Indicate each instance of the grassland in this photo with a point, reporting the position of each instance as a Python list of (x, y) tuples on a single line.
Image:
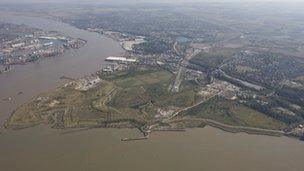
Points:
[(146, 92), (80, 108), (214, 57), (233, 113), (133, 98)]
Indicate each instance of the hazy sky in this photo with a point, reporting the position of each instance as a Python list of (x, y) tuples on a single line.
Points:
[(140, 1)]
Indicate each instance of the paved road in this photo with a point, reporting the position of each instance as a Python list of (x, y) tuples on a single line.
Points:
[(187, 108), (183, 63)]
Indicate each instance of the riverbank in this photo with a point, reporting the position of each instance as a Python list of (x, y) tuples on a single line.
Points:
[(113, 103), (34, 44), (45, 74), (197, 123), (119, 122), (177, 124), (94, 149)]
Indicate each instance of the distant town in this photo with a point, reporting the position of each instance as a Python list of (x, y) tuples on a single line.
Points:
[(20, 44), (174, 85), (182, 67)]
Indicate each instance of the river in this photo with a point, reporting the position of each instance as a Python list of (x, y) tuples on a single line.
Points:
[(34, 78), (42, 148), (208, 149)]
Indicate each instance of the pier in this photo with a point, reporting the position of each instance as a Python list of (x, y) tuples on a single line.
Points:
[(135, 139)]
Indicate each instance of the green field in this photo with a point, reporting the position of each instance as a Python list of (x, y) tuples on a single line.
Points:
[(233, 113), (145, 92), (214, 57), (79, 107), (135, 97)]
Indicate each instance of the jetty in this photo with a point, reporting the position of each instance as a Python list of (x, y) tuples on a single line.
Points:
[(134, 139)]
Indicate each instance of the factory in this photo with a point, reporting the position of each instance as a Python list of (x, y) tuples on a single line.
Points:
[(120, 59)]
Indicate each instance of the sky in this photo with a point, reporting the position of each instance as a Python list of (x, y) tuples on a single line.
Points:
[(141, 1)]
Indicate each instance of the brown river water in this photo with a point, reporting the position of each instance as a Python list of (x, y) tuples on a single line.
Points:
[(44, 149), (34, 78)]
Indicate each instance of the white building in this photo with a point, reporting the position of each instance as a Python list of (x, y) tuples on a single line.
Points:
[(122, 59)]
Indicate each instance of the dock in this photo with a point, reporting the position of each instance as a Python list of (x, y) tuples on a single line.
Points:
[(134, 139)]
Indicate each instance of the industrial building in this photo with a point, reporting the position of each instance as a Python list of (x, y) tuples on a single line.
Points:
[(122, 59)]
